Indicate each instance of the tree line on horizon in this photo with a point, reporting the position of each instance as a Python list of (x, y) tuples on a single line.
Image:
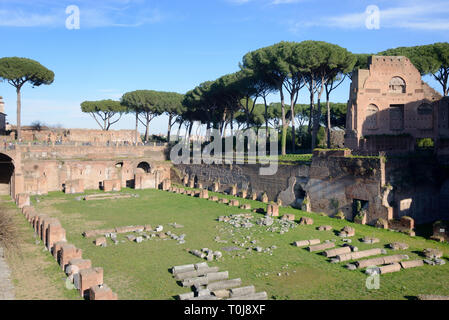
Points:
[(239, 99)]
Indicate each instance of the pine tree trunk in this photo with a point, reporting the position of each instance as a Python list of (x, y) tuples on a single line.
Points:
[(169, 127), (19, 107), (284, 125), (292, 111), (328, 107), (137, 127), (147, 127)]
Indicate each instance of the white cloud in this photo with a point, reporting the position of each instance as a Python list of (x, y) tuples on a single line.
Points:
[(417, 17), (112, 13)]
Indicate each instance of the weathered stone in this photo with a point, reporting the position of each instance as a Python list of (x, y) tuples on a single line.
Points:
[(395, 267), (306, 221), (273, 210), (359, 254), (432, 297), (432, 253), (67, 253), (399, 246), (242, 291), (55, 233), (380, 261), (186, 296), (324, 228), (227, 284), (102, 292), (184, 268), (100, 241), (90, 278), (305, 243), (221, 294), (321, 247), (412, 264), (56, 248), (252, 297), (347, 232), (335, 252), (289, 217), (370, 240)]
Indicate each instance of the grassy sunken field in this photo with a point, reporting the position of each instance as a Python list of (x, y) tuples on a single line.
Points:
[(141, 270)]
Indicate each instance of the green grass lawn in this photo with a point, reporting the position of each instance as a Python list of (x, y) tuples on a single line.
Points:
[(141, 271)]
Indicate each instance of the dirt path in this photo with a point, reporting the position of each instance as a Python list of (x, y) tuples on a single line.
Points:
[(32, 271), (6, 286)]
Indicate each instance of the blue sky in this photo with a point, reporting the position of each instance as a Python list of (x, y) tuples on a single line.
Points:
[(174, 45)]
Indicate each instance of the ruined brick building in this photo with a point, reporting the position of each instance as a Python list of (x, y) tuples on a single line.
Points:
[(390, 107)]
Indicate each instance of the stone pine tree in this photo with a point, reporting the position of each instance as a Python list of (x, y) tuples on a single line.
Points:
[(19, 71), (104, 111), (173, 107), (272, 63), (146, 104)]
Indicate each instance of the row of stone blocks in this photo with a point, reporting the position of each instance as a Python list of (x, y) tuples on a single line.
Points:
[(88, 280), (210, 284)]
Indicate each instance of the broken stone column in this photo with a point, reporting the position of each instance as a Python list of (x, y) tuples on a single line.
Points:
[(411, 264), (321, 247), (67, 253), (359, 254), (222, 285), (305, 243), (242, 291), (252, 297), (196, 273), (244, 193), (184, 268), (335, 252), (395, 267), (89, 278), (380, 261)]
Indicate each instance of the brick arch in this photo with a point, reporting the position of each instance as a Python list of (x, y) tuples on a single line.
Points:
[(397, 85), (7, 169)]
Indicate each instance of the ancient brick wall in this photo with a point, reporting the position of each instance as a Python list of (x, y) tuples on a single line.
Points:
[(47, 168), (390, 99), (247, 177), (79, 135)]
